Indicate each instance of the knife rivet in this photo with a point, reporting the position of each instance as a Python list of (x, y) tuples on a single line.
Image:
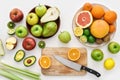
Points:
[(90, 70)]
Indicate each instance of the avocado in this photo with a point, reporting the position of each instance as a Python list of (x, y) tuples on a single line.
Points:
[(29, 61), (20, 54)]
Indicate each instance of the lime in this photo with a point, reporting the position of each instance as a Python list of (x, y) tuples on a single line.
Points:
[(41, 44), (91, 39), (78, 31), (109, 63), (11, 24), (86, 32), (11, 31), (83, 38)]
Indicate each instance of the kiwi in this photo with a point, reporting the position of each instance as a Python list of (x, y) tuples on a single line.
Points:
[(106, 38), (99, 41)]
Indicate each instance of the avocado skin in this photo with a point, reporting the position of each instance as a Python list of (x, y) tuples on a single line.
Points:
[(32, 58)]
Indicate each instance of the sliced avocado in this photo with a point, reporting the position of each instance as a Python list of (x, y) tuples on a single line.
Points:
[(29, 61), (20, 54)]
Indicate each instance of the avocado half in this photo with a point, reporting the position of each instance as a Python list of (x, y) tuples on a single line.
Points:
[(29, 61)]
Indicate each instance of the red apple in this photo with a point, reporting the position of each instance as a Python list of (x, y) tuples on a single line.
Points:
[(16, 15), (28, 43)]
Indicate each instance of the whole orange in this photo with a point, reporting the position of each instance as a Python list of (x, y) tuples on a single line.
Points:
[(99, 28), (97, 11), (87, 6), (112, 28), (110, 16)]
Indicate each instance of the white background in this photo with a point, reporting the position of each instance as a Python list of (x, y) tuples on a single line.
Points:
[(67, 8)]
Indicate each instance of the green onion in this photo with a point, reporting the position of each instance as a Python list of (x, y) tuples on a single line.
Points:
[(27, 73), (9, 75)]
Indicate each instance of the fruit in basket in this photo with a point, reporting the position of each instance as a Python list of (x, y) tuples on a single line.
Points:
[(86, 32), (40, 10), (64, 37), (99, 40), (21, 31), (87, 6), (91, 39), (45, 62), (49, 29), (114, 47), (36, 30), (110, 16), (73, 54), (52, 14), (99, 28), (106, 38), (109, 63), (112, 28), (28, 43), (11, 43), (32, 18), (16, 15), (83, 38), (78, 31), (84, 19), (97, 11), (29, 61), (97, 54)]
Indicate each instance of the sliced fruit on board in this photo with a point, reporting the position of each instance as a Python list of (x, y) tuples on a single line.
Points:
[(84, 19), (29, 61), (20, 54), (73, 54), (78, 31), (45, 62), (51, 15), (11, 43)]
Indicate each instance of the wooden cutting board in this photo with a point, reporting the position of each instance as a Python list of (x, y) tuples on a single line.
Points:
[(58, 69)]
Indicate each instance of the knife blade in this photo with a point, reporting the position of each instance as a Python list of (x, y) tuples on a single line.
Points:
[(75, 66)]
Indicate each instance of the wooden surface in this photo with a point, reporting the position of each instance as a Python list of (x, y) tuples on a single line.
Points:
[(58, 69)]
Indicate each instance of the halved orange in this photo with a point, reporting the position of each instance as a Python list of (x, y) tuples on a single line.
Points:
[(45, 62), (73, 54)]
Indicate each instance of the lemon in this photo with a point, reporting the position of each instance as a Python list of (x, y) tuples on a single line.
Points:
[(78, 31), (109, 63)]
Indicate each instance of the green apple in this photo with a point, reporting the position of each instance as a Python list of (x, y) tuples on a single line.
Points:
[(40, 10), (36, 30), (32, 19), (21, 31), (114, 47), (97, 55), (64, 37)]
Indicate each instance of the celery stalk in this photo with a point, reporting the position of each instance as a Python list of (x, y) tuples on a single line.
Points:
[(21, 71), (2, 52), (9, 75)]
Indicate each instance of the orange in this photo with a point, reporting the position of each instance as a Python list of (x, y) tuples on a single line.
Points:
[(97, 11), (110, 16), (73, 54), (112, 28), (45, 62), (87, 6), (99, 28)]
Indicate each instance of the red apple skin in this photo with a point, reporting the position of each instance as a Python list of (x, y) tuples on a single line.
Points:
[(29, 43), (16, 15)]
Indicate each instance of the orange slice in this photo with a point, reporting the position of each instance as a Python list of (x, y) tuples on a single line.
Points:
[(73, 54), (45, 62)]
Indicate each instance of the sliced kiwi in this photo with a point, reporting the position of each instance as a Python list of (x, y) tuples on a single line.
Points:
[(11, 31), (41, 44), (11, 24)]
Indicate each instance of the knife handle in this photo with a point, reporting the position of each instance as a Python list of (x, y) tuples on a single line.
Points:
[(91, 71)]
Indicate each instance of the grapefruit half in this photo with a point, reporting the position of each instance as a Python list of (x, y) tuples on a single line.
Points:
[(84, 19)]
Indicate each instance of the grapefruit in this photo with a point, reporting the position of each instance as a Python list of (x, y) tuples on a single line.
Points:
[(84, 19), (73, 54), (99, 28)]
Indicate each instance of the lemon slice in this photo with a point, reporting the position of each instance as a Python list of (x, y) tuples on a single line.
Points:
[(78, 31)]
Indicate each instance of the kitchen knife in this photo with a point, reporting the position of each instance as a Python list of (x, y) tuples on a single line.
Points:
[(75, 66)]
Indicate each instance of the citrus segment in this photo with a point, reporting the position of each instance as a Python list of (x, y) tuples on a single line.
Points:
[(84, 19), (97, 11), (110, 16), (73, 54), (45, 62), (99, 28), (78, 31)]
